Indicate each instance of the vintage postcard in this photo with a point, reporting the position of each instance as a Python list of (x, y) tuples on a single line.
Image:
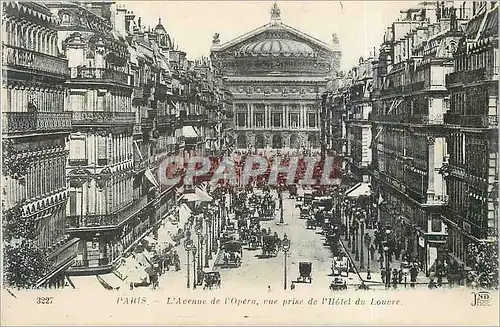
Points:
[(250, 163)]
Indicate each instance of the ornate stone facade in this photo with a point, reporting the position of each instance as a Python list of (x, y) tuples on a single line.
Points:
[(276, 74)]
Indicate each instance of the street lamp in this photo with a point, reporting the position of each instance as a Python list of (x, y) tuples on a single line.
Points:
[(188, 245), (387, 269), (199, 230), (194, 267), (345, 212), (362, 225), (281, 206), (355, 247), (285, 247), (205, 240)]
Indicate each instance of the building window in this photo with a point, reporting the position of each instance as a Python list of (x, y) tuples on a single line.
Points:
[(277, 119), (77, 150), (436, 225), (311, 118), (242, 119), (259, 119), (294, 120), (72, 203)]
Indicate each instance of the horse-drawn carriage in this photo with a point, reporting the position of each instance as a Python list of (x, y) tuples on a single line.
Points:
[(233, 251), (311, 223), (254, 239), (305, 212), (212, 278), (292, 191), (340, 266), (270, 245), (305, 269), (268, 208), (254, 201)]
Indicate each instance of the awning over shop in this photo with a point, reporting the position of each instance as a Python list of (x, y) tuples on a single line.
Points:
[(150, 240), (203, 195), (189, 197), (184, 214), (110, 281), (190, 132), (360, 189), (86, 282), (149, 175), (136, 147)]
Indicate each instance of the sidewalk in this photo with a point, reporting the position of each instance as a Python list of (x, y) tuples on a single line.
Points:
[(374, 265)]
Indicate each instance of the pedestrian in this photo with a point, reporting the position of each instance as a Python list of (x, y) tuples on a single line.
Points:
[(395, 276), (397, 250), (400, 276), (368, 274), (382, 275), (292, 286), (269, 288), (372, 251), (413, 275)]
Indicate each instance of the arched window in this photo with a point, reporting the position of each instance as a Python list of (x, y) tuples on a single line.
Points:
[(24, 37), (31, 38), (259, 142), (242, 141), (37, 41), (7, 31), (65, 18), (294, 142), (277, 141)]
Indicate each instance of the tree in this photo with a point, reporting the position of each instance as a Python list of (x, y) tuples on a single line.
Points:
[(483, 259), (12, 165), (24, 264)]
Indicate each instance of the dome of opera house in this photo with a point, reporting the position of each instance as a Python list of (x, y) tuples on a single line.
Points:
[(276, 48)]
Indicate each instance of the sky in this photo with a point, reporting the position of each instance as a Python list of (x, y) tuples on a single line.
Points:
[(359, 25)]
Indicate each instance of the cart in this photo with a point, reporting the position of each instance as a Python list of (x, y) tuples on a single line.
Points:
[(305, 269), (212, 278), (338, 284)]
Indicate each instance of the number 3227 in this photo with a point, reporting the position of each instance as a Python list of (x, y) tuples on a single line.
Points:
[(44, 300)]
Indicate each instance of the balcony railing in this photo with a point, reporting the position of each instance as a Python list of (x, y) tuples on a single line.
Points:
[(92, 221), (392, 90), (138, 92), (480, 121), (78, 162), (140, 165), (105, 74), (146, 123), (392, 118), (137, 129), (166, 119), (424, 119), (466, 76), (35, 121), (102, 118), (113, 220), (15, 56)]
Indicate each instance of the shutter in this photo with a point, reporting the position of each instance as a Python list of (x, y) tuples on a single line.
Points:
[(72, 203), (101, 153), (77, 149)]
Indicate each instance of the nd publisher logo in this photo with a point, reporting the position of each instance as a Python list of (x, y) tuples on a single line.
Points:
[(481, 299)]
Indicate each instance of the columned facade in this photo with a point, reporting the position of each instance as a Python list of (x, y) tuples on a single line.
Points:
[(277, 75)]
